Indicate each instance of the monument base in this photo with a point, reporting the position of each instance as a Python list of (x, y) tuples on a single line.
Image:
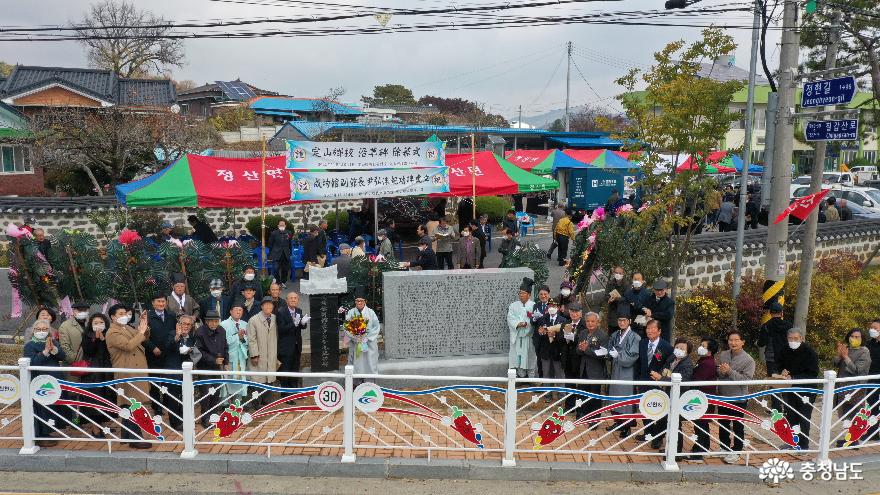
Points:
[(485, 365)]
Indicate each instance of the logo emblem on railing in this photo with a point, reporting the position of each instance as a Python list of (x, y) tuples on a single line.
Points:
[(368, 397), (694, 404), (10, 388), (45, 389), (654, 404), (775, 470)]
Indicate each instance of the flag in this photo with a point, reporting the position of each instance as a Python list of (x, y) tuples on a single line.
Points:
[(801, 207)]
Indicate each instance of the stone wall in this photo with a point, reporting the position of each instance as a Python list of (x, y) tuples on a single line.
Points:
[(53, 219), (714, 255)]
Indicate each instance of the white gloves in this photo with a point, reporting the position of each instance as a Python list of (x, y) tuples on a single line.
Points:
[(184, 349), (613, 353), (305, 319), (296, 320), (536, 315), (601, 351), (569, 336)]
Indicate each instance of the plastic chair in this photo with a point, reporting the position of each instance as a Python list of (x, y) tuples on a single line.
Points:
[(260, 255), (296, 262)]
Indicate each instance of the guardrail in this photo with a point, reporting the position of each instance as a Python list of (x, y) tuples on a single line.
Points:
[(348, 415)]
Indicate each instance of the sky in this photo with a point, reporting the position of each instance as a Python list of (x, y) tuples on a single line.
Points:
[(501, 68)]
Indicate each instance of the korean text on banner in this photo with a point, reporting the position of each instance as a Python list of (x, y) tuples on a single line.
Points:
[(311, 155), (318, 185)]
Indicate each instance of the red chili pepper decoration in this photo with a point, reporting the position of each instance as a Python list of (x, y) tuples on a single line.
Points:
[(231, 420), (462, 424), (553, 428), (859, 426), (780, 426), (139, 415)]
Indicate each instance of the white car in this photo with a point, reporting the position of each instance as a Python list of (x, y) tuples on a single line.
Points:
[(866, 197), (833, 179)]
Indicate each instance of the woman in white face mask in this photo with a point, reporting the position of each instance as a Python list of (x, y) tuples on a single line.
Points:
[(43, 350), (680, 363)]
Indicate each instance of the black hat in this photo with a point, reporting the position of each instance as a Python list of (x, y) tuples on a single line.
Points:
[(267, 299), (526, 285), (211, 315), (248, 285), (660, 284), (575, 306), (552, 302), (360, 292), (81, 305), (775, 307), (623, 311), (238, 303), (178, 278)]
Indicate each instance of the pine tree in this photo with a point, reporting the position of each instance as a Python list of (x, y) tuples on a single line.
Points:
[(79, 270), (134, 270), (30, 272), (367, 271), (195, 261), (529, 256)]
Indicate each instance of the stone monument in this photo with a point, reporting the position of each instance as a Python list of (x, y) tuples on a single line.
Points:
[(323, 288), (451, 322)]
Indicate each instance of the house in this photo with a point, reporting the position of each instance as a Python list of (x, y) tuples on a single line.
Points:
[(204, 100), (18, 176), (29, 88), (399, 113), (282, 109)]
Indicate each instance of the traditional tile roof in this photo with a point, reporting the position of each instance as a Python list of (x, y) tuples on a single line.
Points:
[(27, 205), (724, 242), (100, 84)]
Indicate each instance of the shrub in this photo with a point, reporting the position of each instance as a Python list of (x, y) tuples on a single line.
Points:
[(331, 220), (494, 206), (145, 222), (253, 225)]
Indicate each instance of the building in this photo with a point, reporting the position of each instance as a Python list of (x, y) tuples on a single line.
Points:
[(281, 109), (203, 101), (29, 88), (18, 176), (399, 113)]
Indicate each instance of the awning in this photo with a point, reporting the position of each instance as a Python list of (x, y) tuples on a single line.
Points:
[(585, 142), (718, 162), (494, 176), (542, 162), (210, 182)]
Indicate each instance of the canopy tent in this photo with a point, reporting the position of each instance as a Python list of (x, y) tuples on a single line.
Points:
[(542, 162), (718, 162), (494, 176), (753, 169), (610, 159), (211, 182)]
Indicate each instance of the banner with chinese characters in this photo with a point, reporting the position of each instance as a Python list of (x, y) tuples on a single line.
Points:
[(319, 185), (311, 155)]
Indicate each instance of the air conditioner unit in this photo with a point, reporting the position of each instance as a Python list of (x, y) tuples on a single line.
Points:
[(760, 140)]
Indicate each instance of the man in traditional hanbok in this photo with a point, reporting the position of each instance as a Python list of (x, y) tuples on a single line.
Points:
[(623, 350), (236, 339), (519, 323), (365, 360)]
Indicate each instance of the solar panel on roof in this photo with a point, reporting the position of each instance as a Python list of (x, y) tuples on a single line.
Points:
[(236, 90)]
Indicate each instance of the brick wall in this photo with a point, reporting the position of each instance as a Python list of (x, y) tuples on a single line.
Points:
[(23, 184)]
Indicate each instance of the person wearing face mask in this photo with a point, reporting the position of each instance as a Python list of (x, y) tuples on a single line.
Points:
[(425, 260), (614, 290), (661, 307), (468, 250), (386, 249), (636, 296), (874, 349), (248, 277), (43, 350), (566, 297), (279, 252), (126, 347), (654, 352), (94, 345), (706, 370), (508, 244), (478, 234), (551, 340), (70, 335), (852, 359), (215, 301), (45, 314), (541, 307), (680, 363), (798, 361)]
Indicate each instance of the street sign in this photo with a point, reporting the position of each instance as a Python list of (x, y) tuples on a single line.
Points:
[(827, 92), (832, 130)]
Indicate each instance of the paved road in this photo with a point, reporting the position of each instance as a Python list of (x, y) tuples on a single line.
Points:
[(201, 484)]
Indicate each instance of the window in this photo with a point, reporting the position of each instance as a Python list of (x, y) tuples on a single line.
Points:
[(871, 156), (15, 159), (758, 156), (760, 119), (741, 122), (848, 156)]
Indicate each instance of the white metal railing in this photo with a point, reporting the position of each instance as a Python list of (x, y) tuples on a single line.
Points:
[(507, 419)]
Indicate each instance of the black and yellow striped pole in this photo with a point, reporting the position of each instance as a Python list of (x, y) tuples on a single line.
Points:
[(774, 291)]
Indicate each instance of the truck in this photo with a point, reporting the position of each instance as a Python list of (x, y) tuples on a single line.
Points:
[(864, 173)]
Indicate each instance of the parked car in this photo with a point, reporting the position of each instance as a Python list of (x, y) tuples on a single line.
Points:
[(842, 179), (866, 197), (864, 173)]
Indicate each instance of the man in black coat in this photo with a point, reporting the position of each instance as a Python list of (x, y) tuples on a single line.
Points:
[(550, 342), (592, 366), (211, 342), (180, 347), (215, 301), (201, 230), (291, 322), (654, 350), (162, 323), (572, 363), (249, 302), (661, 308), (426, 259), (798, 361), (773, 337), (481, 236), (279, 252)]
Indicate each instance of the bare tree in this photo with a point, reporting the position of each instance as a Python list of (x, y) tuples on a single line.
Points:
[(131, 42), (113, 145)]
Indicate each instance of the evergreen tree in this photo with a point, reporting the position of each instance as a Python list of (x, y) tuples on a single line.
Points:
[(194, 260), (79, 270), (133, 269), (29, 271)]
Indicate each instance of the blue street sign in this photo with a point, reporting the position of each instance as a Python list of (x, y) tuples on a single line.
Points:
[(832, 130), (828, 92)]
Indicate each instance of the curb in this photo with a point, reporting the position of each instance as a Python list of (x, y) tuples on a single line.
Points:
[(376, 468)]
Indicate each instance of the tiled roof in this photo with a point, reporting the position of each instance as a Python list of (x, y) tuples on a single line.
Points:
[(406, 108), (722, 242), (27, 206), (205, 88), (100, 84)]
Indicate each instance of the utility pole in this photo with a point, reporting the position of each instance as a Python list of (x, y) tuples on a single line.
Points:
[(769, 147), (747, 153), (808, 251), (568, 90), (777, 234)]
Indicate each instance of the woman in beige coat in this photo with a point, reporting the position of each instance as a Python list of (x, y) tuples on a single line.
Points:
[(126, 347), (262, 333)]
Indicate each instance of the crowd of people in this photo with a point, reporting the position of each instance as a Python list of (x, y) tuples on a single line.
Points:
[(556, 338)]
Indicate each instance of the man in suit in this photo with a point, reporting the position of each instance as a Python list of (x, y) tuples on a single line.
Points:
[(661, 308), (551, 341), (537, 319), (215, 301), (179, 302), (279, 252), (653, 353), (163, 325), (343, 261), (591, 338), (291, 322), (426, 259), (249, 302)]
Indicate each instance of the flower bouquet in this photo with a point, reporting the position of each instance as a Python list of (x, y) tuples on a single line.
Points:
[(356, 331)]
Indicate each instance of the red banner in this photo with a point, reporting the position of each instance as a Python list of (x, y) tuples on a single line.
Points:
[(801, 207)]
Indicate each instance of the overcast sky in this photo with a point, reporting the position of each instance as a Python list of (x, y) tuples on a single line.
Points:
[(502, 68)]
